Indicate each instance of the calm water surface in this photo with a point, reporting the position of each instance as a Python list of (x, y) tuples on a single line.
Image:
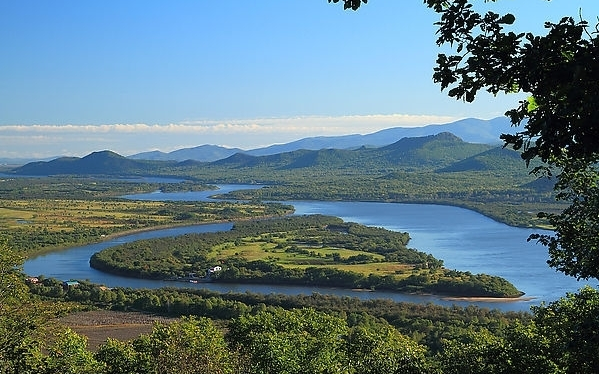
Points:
[(463, 239)]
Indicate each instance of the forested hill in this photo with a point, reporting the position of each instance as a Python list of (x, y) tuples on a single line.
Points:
[(96, 163), (431, 152), (494, 159)]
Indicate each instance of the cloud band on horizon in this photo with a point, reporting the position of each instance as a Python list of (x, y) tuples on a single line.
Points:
[(47, 140)]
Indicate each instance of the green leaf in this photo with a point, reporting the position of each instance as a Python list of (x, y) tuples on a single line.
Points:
[(508, 19), (532, 104)]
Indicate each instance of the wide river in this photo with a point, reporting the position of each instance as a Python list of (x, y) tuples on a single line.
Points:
[(463, 239)]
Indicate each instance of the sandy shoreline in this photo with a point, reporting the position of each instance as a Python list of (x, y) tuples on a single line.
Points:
[(489, 299)]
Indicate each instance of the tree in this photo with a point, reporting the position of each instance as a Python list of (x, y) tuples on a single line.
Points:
[(21, 319), (480, 352), (574, 249), (559, 74), (187, 346), (522, 350), (381, 349), (295, 341), (571, 326), (120, 357), (13, 289), (69, 355), (351, 4)]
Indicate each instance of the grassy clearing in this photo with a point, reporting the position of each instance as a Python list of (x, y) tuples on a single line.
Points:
[(40, 225), (57, 215), (309, 256)]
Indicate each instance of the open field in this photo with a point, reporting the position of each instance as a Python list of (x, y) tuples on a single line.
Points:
[(59, 215), (305, 256), (36, 225), (100, 325)]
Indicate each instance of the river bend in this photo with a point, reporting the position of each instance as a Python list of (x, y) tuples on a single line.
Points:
[(463, 239)]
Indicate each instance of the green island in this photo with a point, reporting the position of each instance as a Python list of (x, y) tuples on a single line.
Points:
[(301, 250)]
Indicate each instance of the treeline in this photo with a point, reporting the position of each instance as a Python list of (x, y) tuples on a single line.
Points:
[(36, 239), (438, 281), (249, 333), (71, 187), (428, 324)]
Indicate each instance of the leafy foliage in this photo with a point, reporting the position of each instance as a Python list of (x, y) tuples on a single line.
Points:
[(351, 4), (296, 341), (571, 327), (574, 249), (190, 345), (69, 355), (23, 320)]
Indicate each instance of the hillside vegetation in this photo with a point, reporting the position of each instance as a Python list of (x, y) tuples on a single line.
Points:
[(439, 169)]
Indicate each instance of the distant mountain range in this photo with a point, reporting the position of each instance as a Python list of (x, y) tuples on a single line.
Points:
[(442, 152), (204, 153), (470, 130), (427, 151)]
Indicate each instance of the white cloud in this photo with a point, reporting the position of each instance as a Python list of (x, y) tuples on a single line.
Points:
[(340, 124), (50, 140)]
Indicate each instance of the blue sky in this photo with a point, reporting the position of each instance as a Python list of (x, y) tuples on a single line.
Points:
[(132, 76)]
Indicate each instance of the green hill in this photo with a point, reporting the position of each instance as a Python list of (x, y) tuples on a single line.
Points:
[(498, 158), (432, 151), (96, 163), (428, 151)]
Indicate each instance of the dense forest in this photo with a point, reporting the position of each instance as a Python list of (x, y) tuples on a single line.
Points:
[(254, 333)]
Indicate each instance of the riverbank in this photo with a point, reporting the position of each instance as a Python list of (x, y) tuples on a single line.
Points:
[(490, 299), (139, 230), (104, 238)]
